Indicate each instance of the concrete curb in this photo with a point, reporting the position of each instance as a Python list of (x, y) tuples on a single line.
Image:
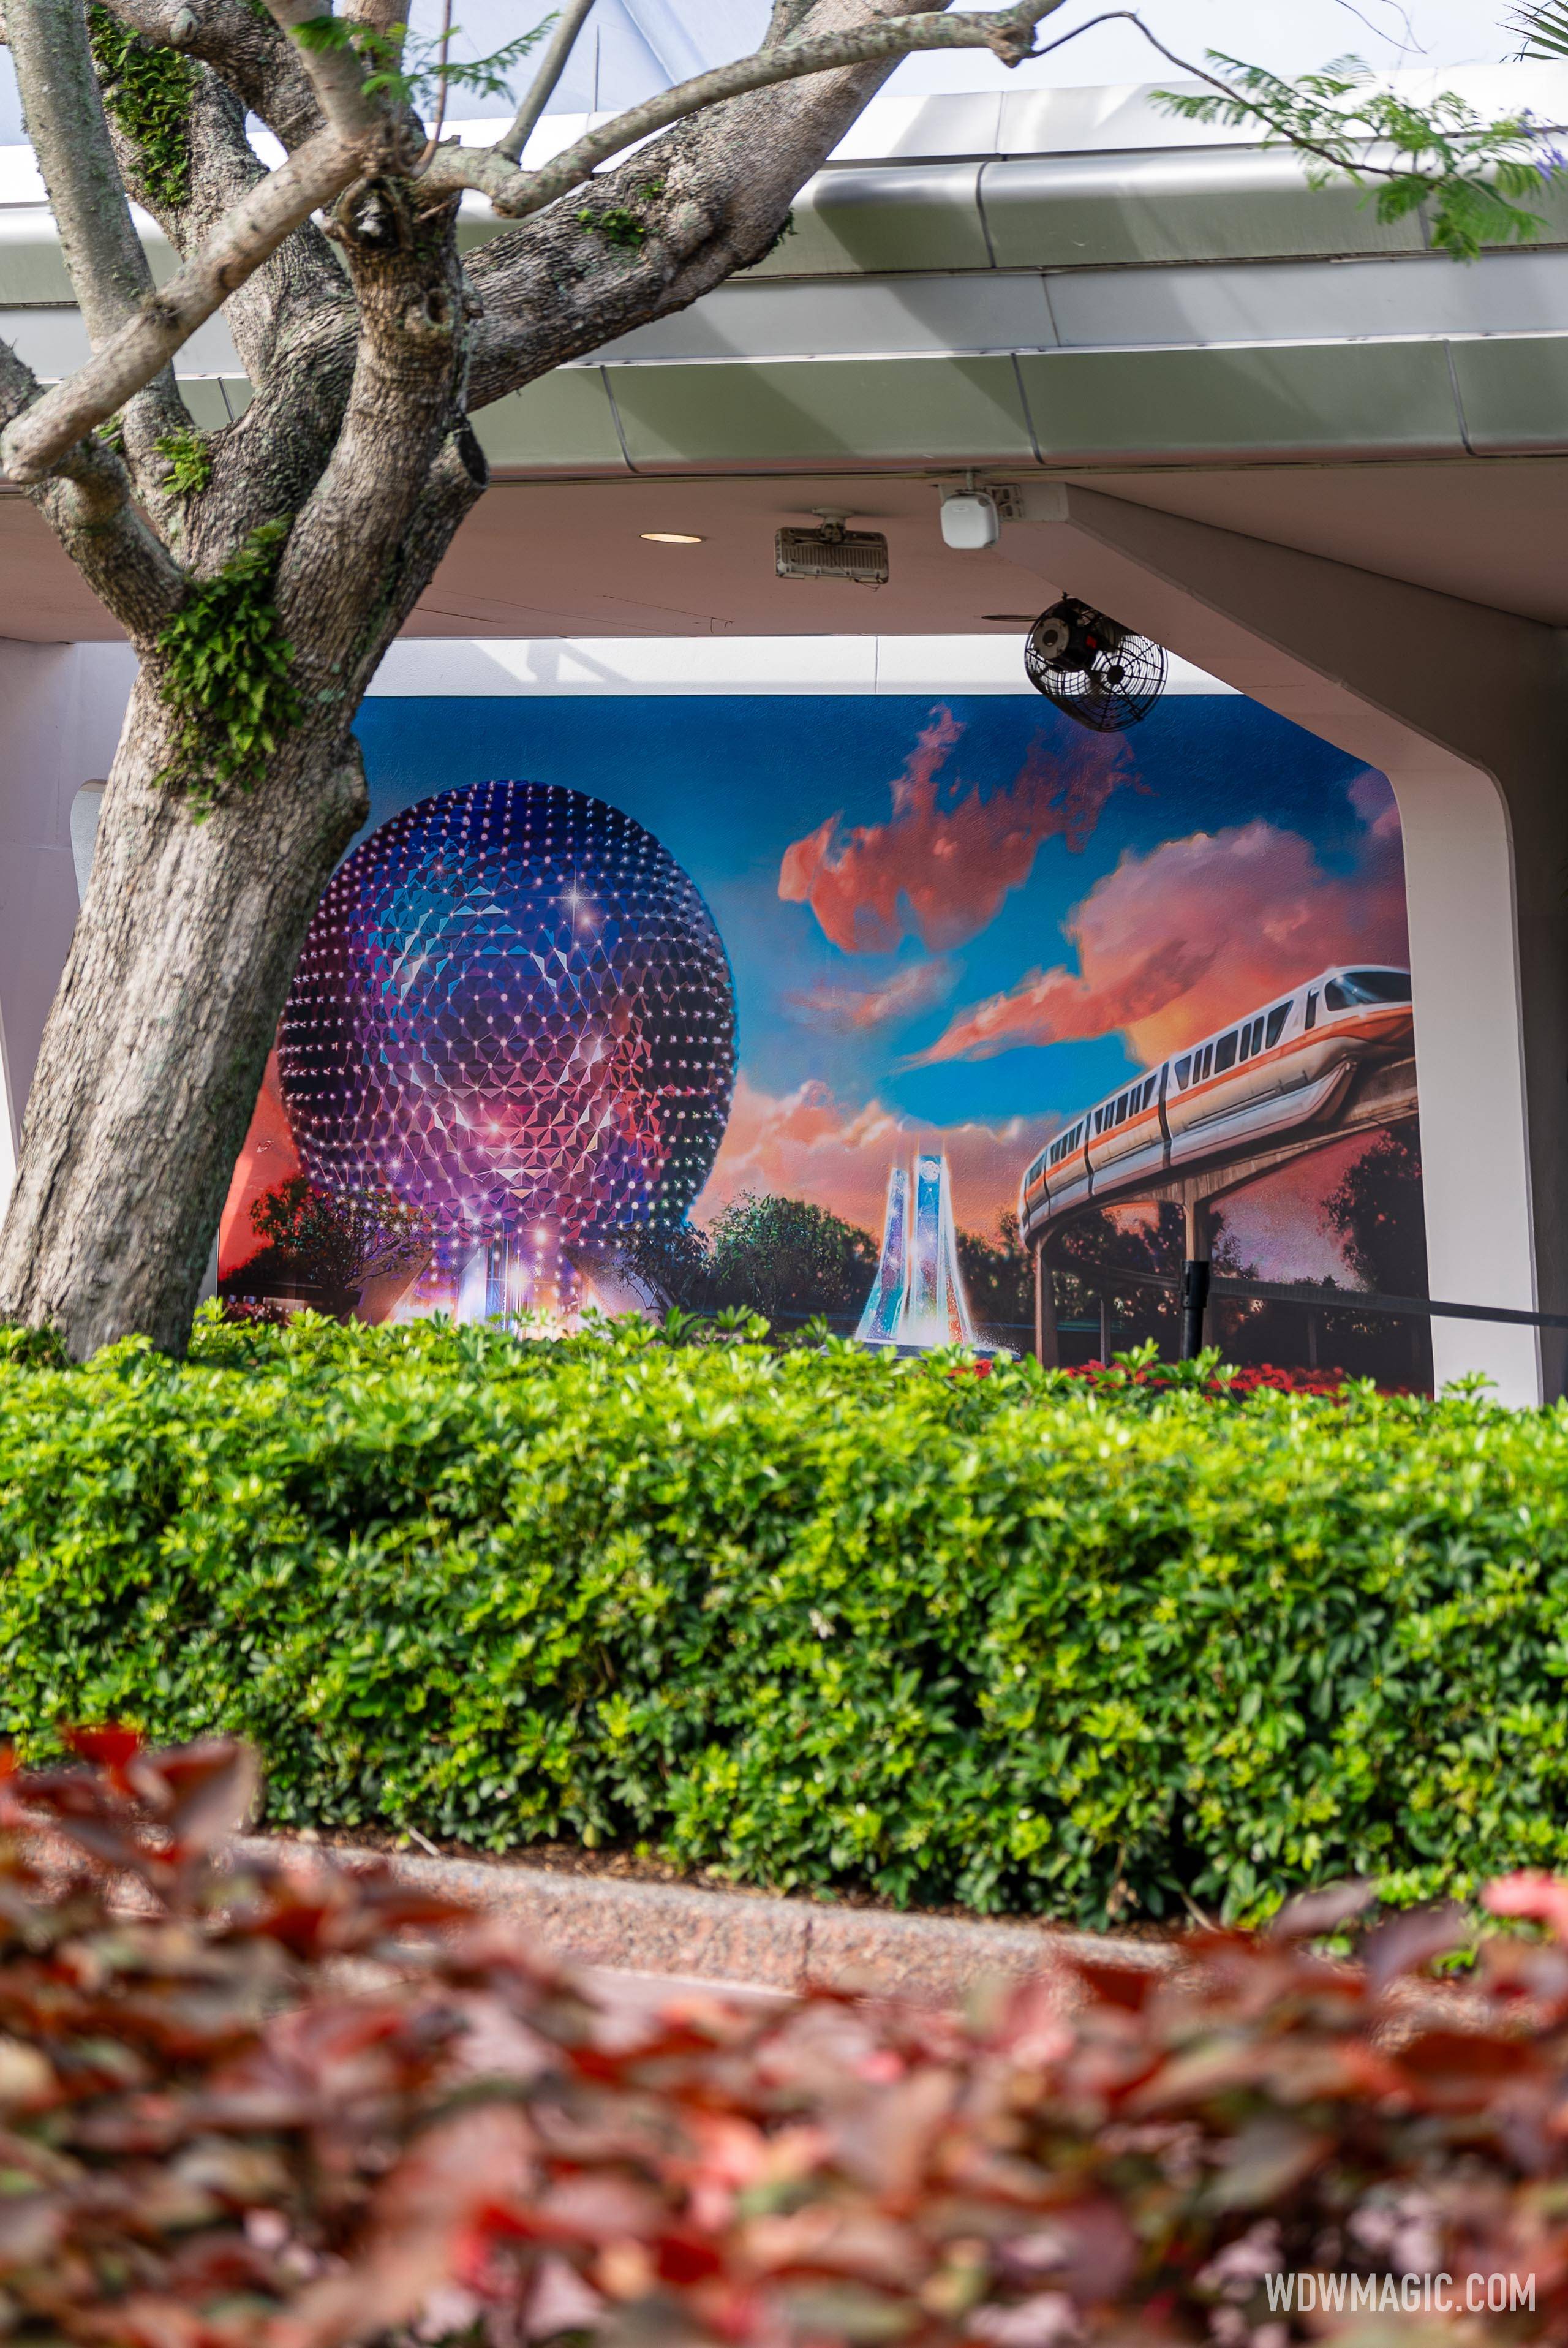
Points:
[(731, 1939)]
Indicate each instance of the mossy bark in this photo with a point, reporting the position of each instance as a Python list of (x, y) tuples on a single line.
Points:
[(159, 1036)]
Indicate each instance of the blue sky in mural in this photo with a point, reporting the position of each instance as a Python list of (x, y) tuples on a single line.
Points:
[(965, 914)]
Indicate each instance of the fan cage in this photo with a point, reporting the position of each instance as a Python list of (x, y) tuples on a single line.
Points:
[(1117, 688)]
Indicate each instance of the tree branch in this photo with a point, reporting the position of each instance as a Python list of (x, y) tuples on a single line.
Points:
[(333, 73), (315, 174), (725, 179), (409, 374), (516, 194), (574, 14), (260, 63), (299, 278), (89, 506), (64, 111)]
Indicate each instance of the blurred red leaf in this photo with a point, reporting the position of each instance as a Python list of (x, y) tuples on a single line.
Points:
[(1315, 1913), (1542, 1898), (305, 2110), (1407, 1943)]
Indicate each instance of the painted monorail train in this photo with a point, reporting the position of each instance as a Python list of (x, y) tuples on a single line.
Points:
[(1288, 1064)]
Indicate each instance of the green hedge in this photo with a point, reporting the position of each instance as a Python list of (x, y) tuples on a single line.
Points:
[(814, 1618)]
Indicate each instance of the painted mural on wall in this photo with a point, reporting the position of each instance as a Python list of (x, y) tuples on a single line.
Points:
[(780, 1002)]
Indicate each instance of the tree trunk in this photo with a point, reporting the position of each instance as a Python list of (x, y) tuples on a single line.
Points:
[(157, 1043)]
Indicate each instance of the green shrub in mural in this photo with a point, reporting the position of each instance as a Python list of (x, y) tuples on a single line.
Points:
[(806, 1615)]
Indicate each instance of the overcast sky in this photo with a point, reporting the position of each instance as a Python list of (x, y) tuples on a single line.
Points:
[(633, 43), (633, 46)]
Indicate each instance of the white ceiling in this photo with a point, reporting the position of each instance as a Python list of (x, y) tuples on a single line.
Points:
[(569, 559)]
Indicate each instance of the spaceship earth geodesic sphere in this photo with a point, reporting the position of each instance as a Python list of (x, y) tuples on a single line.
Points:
[(514, 1011)]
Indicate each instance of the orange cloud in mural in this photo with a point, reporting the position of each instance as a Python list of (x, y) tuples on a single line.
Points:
[(849, 1009), (1060, 1006), (1173, 943), (808, 1143), (942, 865)]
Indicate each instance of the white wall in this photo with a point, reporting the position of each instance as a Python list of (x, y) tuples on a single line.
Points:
[(626, 666), (62, 706)]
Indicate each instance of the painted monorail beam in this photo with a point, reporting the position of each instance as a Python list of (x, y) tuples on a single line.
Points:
[(1061, 280), (1378, 1097), (1331, 1056)]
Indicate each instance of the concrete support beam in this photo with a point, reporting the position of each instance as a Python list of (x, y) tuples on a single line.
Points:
[(1465, 709), (64, 704)]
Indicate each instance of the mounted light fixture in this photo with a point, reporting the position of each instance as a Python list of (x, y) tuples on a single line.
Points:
[(671, 538), (859, 557)]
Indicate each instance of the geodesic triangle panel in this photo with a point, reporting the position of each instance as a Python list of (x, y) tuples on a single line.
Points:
[(512, 1009)]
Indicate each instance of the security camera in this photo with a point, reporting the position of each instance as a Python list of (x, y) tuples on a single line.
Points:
[(970, 521)]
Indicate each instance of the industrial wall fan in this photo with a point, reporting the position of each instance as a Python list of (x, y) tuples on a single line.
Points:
[(1098, 671)]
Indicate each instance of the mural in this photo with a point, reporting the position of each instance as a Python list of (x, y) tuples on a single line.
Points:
[(694, 1010)]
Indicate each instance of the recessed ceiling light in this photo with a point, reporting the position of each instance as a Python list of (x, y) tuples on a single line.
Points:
[(673, 537), (1012, 619)]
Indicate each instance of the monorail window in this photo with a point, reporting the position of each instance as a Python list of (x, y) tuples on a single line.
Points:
[(1149, 1089), (1310, 1022), (1359, 986), (1121, 1108), (1225, 1052), (1207, 1062), (1277, 1018), (1181, 1071)]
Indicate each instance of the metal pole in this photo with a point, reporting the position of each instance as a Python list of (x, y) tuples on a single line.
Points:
[(1194, 1304), (1048, 1346), (1195, 1273)]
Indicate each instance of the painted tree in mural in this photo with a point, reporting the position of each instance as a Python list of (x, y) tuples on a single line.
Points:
[(261, 572)]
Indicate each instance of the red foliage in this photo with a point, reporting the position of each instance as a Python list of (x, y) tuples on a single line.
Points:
[(1235, 1383), (1238, 1381), (270, 2109)]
